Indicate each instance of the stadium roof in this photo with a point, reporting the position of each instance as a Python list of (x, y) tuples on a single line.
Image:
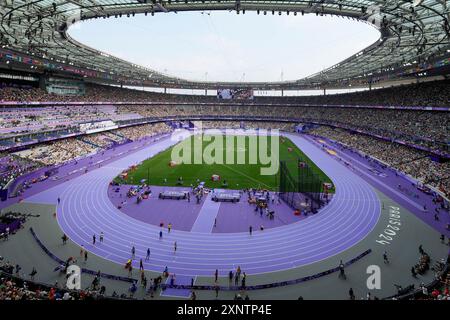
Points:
[(412, 33)]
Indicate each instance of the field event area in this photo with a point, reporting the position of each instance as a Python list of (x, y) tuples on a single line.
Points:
[(236, 163)]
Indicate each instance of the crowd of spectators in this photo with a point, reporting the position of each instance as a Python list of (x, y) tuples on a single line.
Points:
[(62, 151), (19, 120), (66, 150), (12, 166), (57, 152), (16, 288), (441, 291), (417, 127), (282, 126), (435, 93), (100, 140), (409, 160), (436, 290), (249, 125), (138, 132), (421, 127), (113, 137), (425, 128)]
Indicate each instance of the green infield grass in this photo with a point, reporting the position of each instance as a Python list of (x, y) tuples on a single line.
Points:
[(158, 171)]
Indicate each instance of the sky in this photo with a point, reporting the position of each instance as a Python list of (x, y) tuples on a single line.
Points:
[(225, 46)]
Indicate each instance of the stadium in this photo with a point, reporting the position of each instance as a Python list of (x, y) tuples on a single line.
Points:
[(121, 182)]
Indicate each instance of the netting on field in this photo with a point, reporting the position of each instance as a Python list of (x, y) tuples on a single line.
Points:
[(300, 187)]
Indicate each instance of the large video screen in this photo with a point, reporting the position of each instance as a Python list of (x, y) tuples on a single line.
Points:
[(235, 94)]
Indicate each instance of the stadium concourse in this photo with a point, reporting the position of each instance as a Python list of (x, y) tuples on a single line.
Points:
[(384, 211)]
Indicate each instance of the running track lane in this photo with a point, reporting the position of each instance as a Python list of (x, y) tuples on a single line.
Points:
[(85, 210)]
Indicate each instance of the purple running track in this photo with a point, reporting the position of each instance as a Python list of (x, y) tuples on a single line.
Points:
[(86, 209)]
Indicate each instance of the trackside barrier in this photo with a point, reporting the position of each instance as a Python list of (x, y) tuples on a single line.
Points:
[(83, 270), (204, 287), (268, 285)]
